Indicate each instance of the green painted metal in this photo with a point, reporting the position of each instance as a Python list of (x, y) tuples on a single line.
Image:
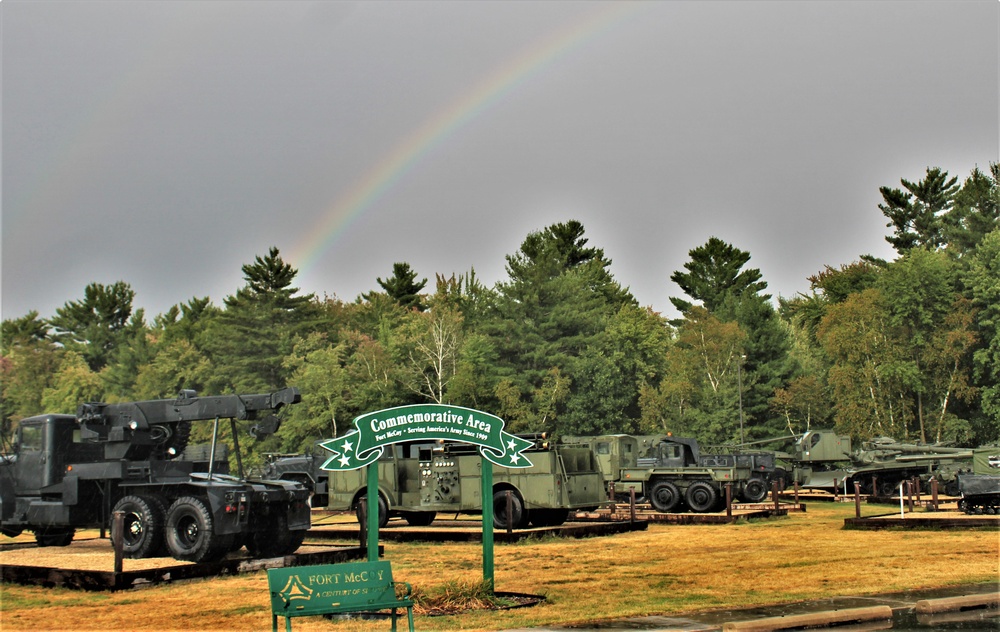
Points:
[(425, 422), (372, 511), (487, 494), (303, 591)]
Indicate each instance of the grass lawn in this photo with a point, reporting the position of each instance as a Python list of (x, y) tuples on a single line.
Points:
[(669, 569)]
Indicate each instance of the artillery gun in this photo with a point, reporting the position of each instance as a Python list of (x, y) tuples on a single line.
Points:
[(69, 472), (880, 465)]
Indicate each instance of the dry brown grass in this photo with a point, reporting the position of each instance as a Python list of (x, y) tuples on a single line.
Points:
[(667, 569)]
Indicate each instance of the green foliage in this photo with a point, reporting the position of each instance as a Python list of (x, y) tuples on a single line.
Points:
[(916, 215), (402, 286), (97, 325), (903, 348), (318, 369), (715, 272), (976, 211), (74, 383), (984, 283), (250, 339), (556, 306)]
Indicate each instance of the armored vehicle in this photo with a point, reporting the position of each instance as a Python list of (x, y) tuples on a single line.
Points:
[(880, 465), (69, 472), (673, 475), (417, 480)]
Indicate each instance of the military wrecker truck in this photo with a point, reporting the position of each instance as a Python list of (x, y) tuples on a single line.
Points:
[(70, 472), (671, 472), (418, 479)]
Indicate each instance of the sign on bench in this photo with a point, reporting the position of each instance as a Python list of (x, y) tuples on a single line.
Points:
[(335, 589)]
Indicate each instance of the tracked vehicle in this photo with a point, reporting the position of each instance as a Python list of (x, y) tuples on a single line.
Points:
[(70, 472), (880, 465)]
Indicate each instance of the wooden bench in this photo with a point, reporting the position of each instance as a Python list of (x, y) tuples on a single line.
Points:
[(303, 591)]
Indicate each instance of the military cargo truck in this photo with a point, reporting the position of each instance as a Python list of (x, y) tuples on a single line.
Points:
[(672, 474), (418, 480), (69, 472)]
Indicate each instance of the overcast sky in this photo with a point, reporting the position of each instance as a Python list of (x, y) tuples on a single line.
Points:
[(167, 144)]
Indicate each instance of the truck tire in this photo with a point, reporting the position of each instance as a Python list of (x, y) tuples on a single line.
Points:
[(54, 536), (518, 517), (383, 511), (142, 526), (754, 491), (665, 497), (419, 518), (190, 532), (275, 540), (547, 517), (701, 497)]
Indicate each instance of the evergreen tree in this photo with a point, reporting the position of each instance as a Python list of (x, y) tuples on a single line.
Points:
[(403, 287), (556, 304), (97, 325), (251, 338), (976, 211), (984, 281), (916, 214), (714, 272)]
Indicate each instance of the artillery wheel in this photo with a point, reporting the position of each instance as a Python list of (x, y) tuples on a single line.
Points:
[(701, 497), (54, 536), (665, 496), (142, 526), (755, 490), (190, 532), (518, 516), (419, 518), (383, 511)]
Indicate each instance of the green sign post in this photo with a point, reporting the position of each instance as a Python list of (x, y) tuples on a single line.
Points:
[(362, 448)]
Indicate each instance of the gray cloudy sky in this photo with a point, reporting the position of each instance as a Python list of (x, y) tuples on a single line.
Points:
[(166, 144)]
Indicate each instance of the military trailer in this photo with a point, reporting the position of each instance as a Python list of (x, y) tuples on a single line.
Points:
[(672, 474), (417, 480), (980, 488), (69, 472)]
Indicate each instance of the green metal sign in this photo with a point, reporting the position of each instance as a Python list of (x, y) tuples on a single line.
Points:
[(425, 422)]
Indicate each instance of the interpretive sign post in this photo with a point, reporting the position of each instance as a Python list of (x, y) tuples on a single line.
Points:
[(363, 446)]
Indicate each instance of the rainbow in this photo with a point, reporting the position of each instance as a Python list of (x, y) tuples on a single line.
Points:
[(401, 159)]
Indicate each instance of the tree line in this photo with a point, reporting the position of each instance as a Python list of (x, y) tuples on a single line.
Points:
[(908, 348)]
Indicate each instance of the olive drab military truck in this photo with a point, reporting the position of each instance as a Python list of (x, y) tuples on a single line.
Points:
[(418, 480), (672, 473), (69, 472)]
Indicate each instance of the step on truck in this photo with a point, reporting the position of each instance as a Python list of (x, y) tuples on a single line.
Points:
[(69, 472), (417, 480)]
